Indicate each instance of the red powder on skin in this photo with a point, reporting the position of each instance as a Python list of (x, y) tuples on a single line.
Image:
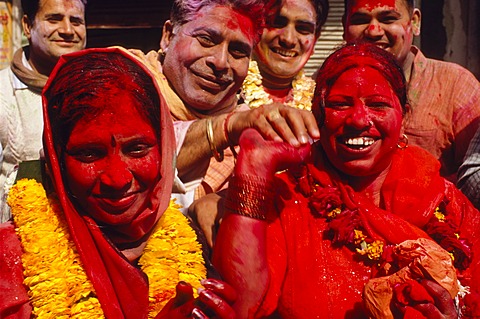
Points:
[(242, 22), (370, 5)]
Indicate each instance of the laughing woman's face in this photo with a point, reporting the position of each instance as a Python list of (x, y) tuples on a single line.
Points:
[(363, 122)]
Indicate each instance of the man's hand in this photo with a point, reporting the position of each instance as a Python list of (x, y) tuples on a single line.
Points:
[(277, 122), (207, 213)]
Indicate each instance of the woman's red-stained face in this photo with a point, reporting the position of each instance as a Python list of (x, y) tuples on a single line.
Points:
[(363, 122), (113, 161)]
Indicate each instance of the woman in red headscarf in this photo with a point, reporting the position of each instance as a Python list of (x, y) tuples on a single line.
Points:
[(362, 226), (108, 243)]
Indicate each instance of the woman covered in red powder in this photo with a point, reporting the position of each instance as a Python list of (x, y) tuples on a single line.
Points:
[(108, 243), (357, 226)]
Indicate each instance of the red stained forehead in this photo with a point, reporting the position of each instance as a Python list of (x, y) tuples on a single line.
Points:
[(370, 4), (243, 23)]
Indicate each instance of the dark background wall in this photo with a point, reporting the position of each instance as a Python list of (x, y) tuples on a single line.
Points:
[(132, 24), (434, 39)]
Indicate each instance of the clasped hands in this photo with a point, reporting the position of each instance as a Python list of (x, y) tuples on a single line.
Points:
[(276, 122)]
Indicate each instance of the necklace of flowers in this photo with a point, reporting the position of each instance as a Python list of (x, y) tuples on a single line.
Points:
[(57, 283), (253, 92), (347, 227)]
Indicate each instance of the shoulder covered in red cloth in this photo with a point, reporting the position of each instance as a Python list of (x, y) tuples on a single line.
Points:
[(14, 302)]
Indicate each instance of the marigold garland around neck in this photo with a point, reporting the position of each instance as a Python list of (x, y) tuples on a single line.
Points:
[(254, 94), (58, 285)]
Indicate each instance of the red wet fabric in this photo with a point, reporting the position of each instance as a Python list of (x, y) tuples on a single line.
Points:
[(313, 278)]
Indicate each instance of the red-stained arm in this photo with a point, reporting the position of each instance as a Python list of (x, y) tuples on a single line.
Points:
[(240, 248), (240, 257)]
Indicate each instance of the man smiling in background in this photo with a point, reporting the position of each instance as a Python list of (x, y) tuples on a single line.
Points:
[(444, 97), (53, 28)]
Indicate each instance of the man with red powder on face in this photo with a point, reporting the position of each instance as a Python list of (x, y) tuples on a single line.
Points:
[(203, 60), (444, 97)]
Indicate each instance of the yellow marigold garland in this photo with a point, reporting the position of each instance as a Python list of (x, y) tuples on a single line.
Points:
[(58, 285), (254, 94)]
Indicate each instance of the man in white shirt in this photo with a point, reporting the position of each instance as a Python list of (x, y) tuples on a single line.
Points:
[(53, 28)]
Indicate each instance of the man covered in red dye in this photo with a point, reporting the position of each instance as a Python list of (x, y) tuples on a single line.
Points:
[(444, 97), (275, 74), (205, 52)]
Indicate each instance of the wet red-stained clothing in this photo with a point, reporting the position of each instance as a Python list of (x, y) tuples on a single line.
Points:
[(320, 282), (309, 278)]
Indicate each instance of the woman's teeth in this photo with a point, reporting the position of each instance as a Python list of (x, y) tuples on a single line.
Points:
[(359, 141)]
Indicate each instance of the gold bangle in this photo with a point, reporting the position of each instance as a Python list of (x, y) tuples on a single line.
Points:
[(251, 196), (218, 155)]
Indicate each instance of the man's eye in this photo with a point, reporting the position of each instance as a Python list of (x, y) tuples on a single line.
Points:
[(389, 19), (205, 40), (239, 53), (359, 20), (305, 29), (76, 22), (279, 22)]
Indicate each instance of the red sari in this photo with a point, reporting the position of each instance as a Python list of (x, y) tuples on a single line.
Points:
[(312, 278), (121, 288)]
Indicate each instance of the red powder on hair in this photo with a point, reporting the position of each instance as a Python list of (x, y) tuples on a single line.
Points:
[(242, 22)]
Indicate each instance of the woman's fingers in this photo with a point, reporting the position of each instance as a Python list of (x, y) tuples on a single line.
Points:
[(198, 314), (221, 289), (211, 302), (184, 294)]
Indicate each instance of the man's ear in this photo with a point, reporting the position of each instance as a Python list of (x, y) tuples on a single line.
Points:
[(416, 21), (27, 26), (167, 35)]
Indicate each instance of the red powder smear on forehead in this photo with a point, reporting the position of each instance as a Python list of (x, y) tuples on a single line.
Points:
[(242, 22), (371, 4)]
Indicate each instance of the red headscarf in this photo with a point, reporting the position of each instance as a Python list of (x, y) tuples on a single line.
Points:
[(122, 289)]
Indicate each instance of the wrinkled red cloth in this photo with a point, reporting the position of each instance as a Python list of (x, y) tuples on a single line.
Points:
[(312, 278), (409, 292), (417, 259), (121, 288), (14, 301)]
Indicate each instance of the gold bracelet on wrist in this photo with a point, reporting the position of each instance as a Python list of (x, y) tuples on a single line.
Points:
[(218, 155), (249, 195)]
